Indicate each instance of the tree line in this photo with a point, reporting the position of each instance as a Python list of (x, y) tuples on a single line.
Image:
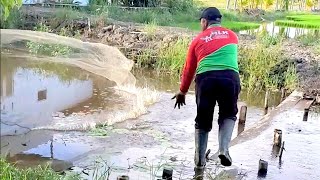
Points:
[(301, 5)]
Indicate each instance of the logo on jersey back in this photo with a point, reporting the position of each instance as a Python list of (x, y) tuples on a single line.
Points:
[(216, 34)]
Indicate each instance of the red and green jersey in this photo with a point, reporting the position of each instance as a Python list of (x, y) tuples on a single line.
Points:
[(214, 49)]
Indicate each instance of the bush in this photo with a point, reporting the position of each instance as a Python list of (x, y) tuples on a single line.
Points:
[(13, 21)]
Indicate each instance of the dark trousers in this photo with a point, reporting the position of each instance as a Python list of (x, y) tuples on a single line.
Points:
[(216, 86)]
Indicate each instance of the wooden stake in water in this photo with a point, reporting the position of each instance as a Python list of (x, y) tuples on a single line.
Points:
[(243, 115), (167, 174), (263, 168), (266, 100), (281, 151), (283, 94), (277, 137), (240, 128), (306, 114), (123, 177)]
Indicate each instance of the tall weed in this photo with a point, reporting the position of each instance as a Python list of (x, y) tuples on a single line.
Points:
[(310, 39), (291, 78), (172, 57), (256, 64)]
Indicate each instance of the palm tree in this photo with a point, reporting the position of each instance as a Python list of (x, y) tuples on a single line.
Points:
[(228, 3)]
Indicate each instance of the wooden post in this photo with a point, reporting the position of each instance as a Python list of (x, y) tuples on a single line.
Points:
[(263, 168), (275, 151), (240, 128), (266, 100), (89, 25), (281, 151), (305, 115), (243, 115), (283, 94), (207, 154), (277, 137), (318, 95), (167, 174), (123, 177)]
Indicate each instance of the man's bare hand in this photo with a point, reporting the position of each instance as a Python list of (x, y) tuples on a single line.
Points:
[(180, 99)]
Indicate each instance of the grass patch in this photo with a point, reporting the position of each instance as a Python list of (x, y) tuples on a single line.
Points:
[(173, 17), (235, 26), (298, 24), (310, 39), (172, 57), (304, 17), (255, 67), (8, 171), (301, 21), (291, 78), (151, 29)]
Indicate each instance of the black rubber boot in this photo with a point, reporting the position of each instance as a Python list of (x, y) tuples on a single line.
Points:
[(225, 134), (201, 140)]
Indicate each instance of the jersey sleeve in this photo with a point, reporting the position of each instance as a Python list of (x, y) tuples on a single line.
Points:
[(189, 68)]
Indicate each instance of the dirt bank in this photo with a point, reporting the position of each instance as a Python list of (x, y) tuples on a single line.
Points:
[(135, 40)]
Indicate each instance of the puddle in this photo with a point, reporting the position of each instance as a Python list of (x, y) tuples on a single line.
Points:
[(35, 95)]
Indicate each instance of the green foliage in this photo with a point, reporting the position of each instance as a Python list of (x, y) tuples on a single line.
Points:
[(180, 5), (8, 171), (13, 21), (48, 49), (291, 78), (299, 24), (266, 40), (7, 5), (310, 39), (145, 59), (256, 64), (303, 17), (301, 21), (172, 57), (235, 26), (99, 132), (151, 29)]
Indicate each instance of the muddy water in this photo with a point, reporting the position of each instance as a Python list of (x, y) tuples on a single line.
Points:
[(35, 95), (163, 136), (300, 159)]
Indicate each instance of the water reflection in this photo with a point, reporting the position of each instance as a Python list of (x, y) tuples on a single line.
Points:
[(32, 93), (273, 30)]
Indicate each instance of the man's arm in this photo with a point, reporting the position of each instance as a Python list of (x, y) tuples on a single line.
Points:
[(189, 68)]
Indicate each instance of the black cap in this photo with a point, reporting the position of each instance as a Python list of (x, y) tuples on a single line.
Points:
[(211, 14)]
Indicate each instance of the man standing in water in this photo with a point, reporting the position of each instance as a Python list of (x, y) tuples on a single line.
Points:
[(212, 57)]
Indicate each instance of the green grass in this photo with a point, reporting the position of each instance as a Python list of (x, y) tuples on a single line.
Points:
[(172, 57), (304, 17), (310, 39), (301, 21), (235, 26), (8, 172), (299, 24)]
